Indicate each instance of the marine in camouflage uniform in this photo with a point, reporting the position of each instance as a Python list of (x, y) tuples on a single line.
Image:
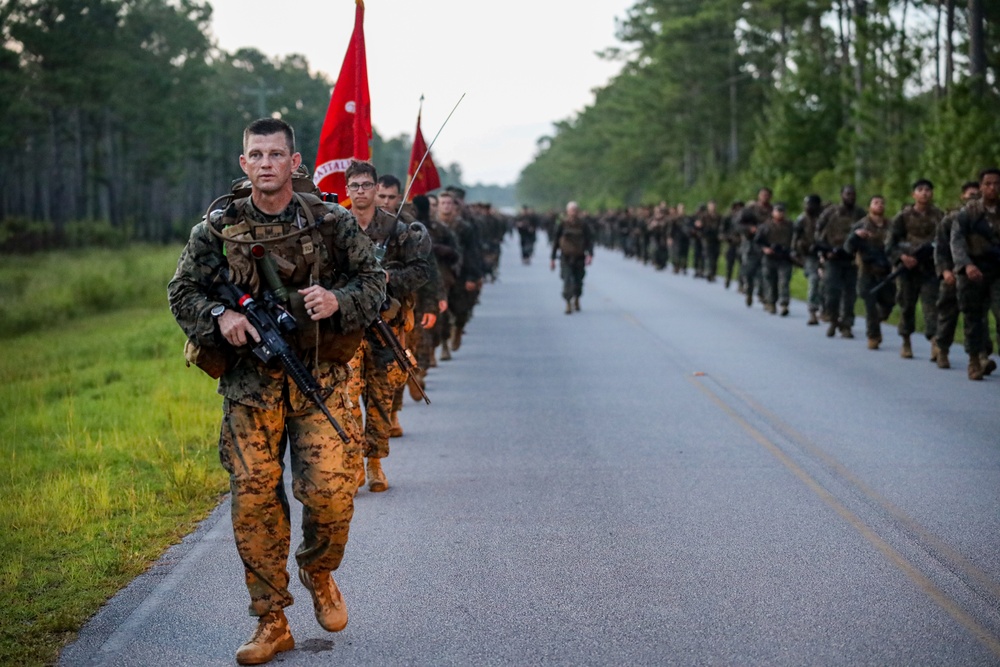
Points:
[(840, 273), (335, 288), (465, 292), (710, 223), (431, 302), (804, 249), (402, 249), (753, 218), (574, 244), (913, 228), (944, 265), (731, 233), (774, 238), (975, 247), (866, 243), (527, 229), (680, 240), (447, 256)]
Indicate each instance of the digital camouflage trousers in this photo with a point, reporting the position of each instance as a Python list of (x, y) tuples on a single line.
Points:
[(374, 380), (251, 447)]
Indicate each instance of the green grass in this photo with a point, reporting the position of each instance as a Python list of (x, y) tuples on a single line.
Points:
[(107, 441), (46, 290)]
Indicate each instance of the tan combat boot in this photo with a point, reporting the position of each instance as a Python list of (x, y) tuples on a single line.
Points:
[(576, 303), (445, 352), (359, 478), (569, 307), (873, 343), (456, 339), (271, 637), (376, 478), (942, 358), (395, 430), (988, 364), (935, 350), (813, 320), (413, 385), (906, 352), (975, 367), (845, 332), (328, 603)]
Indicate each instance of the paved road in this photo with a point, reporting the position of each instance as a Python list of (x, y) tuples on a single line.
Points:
[(666, 478)]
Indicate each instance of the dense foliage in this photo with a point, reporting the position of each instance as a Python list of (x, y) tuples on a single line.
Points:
[(718, 97), (121, 119)]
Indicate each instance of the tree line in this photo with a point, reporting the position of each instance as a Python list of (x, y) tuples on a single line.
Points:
[(122, 120), (719, 97)]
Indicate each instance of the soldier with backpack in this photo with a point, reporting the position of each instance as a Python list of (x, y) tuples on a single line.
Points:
[(307, 261), (573, 243)]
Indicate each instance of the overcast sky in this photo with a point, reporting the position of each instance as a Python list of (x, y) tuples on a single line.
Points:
[(523, 64)]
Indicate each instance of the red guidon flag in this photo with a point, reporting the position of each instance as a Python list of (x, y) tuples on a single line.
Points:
[(347, 129), (421, 178)]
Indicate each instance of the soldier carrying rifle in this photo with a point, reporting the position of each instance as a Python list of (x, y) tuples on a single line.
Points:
[(334, 289)]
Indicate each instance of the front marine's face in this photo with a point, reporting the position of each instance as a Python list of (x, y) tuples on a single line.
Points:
[(268, 162)]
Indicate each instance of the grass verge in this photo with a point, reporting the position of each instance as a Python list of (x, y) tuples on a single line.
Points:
[(107, 453)]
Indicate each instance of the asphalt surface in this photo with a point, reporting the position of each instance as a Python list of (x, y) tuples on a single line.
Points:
[(665, 478)]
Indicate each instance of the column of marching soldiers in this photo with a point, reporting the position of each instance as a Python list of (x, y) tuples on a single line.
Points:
[(948, 262), (464, 253)]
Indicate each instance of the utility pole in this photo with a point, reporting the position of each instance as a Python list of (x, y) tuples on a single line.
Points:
[(261, 92)]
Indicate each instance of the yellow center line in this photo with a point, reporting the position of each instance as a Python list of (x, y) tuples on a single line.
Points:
[(923, 582)]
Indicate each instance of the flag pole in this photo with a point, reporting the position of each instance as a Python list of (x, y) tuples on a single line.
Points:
[(429, 146)]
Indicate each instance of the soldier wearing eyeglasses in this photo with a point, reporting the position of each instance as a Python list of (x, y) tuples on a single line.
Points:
[(402, 250)]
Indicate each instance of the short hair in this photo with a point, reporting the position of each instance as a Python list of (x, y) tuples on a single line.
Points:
[(991, 171), (813, 200), (450, 195), (970, 184), (422, 204), (922, 181), (848, 187), (263, 127), (765, 189), (390, 181), (780, 206), (360, 167), (874, 197)]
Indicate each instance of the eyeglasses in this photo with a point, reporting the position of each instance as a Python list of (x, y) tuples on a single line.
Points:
[(367, 185)]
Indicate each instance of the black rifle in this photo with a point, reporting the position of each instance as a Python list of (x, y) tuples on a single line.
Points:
[(402, 358), (271, 321), (923, 254), (782, 253), (826, 251)]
